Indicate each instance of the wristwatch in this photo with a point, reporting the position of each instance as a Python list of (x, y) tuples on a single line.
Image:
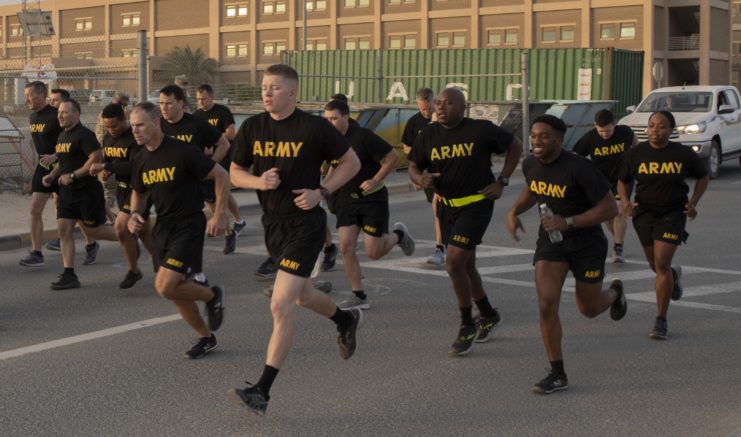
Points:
[(324, 192), (570, 222), (72, 176), (504, 180)]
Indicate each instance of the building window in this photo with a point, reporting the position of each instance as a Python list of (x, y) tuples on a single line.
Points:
[(132, 19), (83, 24), (268, 8), (548, 34), (494, 38), (357, 43), (236, 10), (316, 44), (450, 39), (15, 30), (408, 41), (270, 48), (443, 39), (607, 31), (398, 2), (84, 55), (357, 3), (511, 36), (627, 30), (128, 53), (236, 50), (736, 48), (280, 7), (567, 33), (316, 5)]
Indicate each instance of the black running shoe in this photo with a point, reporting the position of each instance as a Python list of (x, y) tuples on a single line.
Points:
[(620, 306), (33, 259), (204, 346), (251, 398), (66, 281), (130, 279), (464, 341), (487, 325), (239, 227), (230, 243), (215, 308), (330, 258), (678, 289), (267, 269), (91, 253), (660, 329), (54, 245), (552, 382), (347, 339)]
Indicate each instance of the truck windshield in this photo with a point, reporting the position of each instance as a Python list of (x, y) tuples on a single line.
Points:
[(677, 102)]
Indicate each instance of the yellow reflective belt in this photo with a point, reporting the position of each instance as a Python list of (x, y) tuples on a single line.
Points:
[(123, 185), (378, 187), (462, 201)]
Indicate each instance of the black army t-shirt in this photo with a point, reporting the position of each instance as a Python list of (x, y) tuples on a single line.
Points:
[(73, 147), (370, 149), (45, 129), (296, 145), (118, 153), (660, 173), (462, 155), (606, 154), (569, 185), (219, 116), (172, 175), (193, 130), (414, 126)]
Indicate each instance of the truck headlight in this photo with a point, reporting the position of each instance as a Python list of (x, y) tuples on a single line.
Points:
[(692, 129)]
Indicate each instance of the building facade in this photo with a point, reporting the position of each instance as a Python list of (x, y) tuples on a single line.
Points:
[(685, 41)]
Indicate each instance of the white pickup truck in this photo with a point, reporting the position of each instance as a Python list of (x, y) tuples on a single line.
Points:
[(708, 120)]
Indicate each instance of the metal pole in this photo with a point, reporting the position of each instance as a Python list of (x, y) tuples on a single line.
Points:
[(306, 12), (379, 73), (525, 103), (142, 70)]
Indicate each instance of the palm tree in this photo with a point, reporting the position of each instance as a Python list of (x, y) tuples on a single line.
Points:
[(194, 64)]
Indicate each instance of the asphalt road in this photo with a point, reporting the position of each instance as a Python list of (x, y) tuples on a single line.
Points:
[(99, 361)]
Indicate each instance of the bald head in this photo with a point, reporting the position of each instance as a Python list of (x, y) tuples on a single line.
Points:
[(450, 107)]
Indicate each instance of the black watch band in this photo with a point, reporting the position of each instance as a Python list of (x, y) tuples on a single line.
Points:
[(504, 180), (325, 192)]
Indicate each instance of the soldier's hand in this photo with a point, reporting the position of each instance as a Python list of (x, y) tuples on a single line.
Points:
[(269, 180), (217, 225), (307, 199), (493, 191), (513, 224), (429, 178)]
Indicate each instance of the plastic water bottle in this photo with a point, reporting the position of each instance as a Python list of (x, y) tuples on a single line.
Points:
[(554, 235)]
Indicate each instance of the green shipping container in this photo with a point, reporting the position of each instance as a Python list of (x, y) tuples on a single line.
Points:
[(485, 75)]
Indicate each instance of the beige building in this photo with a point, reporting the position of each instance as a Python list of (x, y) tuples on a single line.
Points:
[(736, 44), (685, 41)]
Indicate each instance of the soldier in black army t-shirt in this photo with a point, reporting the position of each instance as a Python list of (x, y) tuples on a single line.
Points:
[(80, 195), (119, 148), (280, 153), (580, 199), (606, 145), (170, 173), (661, 207), (453, 156), (363, 203)]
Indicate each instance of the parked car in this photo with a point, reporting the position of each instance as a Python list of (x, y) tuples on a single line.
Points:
[(708, 120), (101, 96)]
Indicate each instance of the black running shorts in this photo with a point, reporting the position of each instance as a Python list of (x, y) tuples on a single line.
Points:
[(371, 217), (178, 243), (585, 254), (666, 226), (295, 241), (123, 200), (464, 226), (37, 186), (85, 204), (208, 191)]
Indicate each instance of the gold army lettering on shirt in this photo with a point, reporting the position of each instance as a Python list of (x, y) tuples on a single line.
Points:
[(116, 152), (37, 128), (155, 176), (63, 147), (278, 149), (213, 121), (543, 188), (454, 151), (186, 138), (660, 168), (609, 150)]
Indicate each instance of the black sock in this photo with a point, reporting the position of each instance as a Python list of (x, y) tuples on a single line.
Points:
[(69, 271), (485, 307), (90, 245), (330, 248), (466, 316), (360, 294), (618, 246), (440, 246), (342, 319), (37, 252), (267, 379), (399, 234), (557, 367)]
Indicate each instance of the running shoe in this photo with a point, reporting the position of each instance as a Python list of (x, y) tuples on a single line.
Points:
[(407, 242), (617, 255), (552, 382), (33, 259), (347, 338), (130, 279), (464, 341), (239, 227), (487, 325), (267, 269), (230, 243), (437, 258), (354, 302), (215, 308), (54, 245), (202, 347), (251, 398), (91, 253), (330, 258), (678, 290), (620, 306), (660, 329), (65, 281)]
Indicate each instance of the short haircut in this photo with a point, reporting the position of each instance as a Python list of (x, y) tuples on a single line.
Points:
[(113, 110), (604, 117), (205, 88), (148, 108), (339, 96), (175, 91), (337, 105), (283, 70), (37, 86), (62, 92), (74, 103), (551, 120), (669, 116), (425, 94)]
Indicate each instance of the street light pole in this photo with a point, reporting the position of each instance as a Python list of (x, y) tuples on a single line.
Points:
[(306, 12)]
